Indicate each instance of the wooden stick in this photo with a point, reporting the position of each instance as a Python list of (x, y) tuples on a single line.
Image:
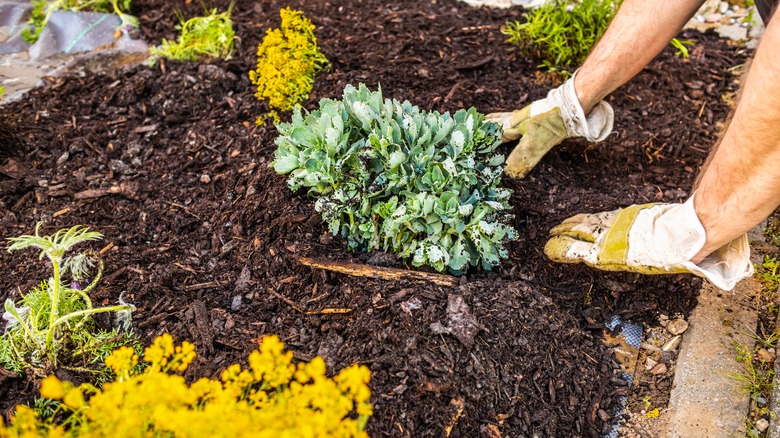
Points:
[(358, 270), (206, 285)]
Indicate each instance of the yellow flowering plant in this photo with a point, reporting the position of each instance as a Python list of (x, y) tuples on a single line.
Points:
[(288, 59), (273, 397)]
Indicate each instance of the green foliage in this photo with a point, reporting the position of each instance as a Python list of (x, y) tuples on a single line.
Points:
[(42, 10), (209, 36), (750, 18), (769, 273), (755, 377), (682, 51), (772, 230), (288, 59), (387, 175), (561, 33), (55, 318)]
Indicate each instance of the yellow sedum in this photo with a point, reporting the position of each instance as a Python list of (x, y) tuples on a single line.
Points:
[(652, 414), (287, 61), (272, 398)]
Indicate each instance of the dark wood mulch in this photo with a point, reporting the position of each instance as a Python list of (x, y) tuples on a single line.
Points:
[(207, 259)]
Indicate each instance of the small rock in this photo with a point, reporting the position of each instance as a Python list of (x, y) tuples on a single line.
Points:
[(761, 424), (760, 401), (236, 304), (205, 178), (713, 18), (734, 32), (672, 344), (650, 363), (667, 357), (658, 370), (764, 355), (677, 327)]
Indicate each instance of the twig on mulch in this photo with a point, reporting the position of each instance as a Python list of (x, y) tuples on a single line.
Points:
[(326, 311), (126, 189), (206, 285), (395, 274)]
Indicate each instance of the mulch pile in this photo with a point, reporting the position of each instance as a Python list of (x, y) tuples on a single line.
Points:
[(167, 162)]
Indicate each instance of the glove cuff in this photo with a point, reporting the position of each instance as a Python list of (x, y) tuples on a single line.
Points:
[(727, 265), (595, 127), (679, 236)]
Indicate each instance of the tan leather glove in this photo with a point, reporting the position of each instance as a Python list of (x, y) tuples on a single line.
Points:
[(648, 239), (547, 122)]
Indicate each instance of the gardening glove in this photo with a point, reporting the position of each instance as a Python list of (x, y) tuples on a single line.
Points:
[(547, 122), (648, 239)]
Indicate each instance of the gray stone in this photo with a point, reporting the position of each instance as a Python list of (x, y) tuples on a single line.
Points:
[(236, 304), (732, 31), (704, 401)]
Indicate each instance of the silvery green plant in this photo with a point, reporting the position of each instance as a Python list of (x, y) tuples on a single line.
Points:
[(389, 176), (56, 316)]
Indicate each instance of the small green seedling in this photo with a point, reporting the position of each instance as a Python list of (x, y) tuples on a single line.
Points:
[(682, 51), (42, 10), (55, 318), (208, 37)]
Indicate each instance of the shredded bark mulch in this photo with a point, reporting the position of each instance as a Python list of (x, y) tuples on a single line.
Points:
[(167, 162)]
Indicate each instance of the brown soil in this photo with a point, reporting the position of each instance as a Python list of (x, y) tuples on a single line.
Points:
[(212, 259)]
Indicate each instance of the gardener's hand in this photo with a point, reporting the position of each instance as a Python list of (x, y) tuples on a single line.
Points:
[(648, 239), (547, 122)]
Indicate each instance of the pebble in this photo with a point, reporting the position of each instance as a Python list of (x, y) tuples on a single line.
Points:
[(761, 424), (650, 363), (764, 355), (658, 370), (677, 327), (205, 178), (236, 304), (672, 344), (713, 18)]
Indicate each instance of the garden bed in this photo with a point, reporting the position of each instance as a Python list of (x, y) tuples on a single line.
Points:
[(205, 239)]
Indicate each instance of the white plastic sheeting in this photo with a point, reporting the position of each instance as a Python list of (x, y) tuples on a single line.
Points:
[(66, 37)]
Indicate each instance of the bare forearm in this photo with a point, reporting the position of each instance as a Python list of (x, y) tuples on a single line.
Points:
[(740, 184), (639, 31)]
